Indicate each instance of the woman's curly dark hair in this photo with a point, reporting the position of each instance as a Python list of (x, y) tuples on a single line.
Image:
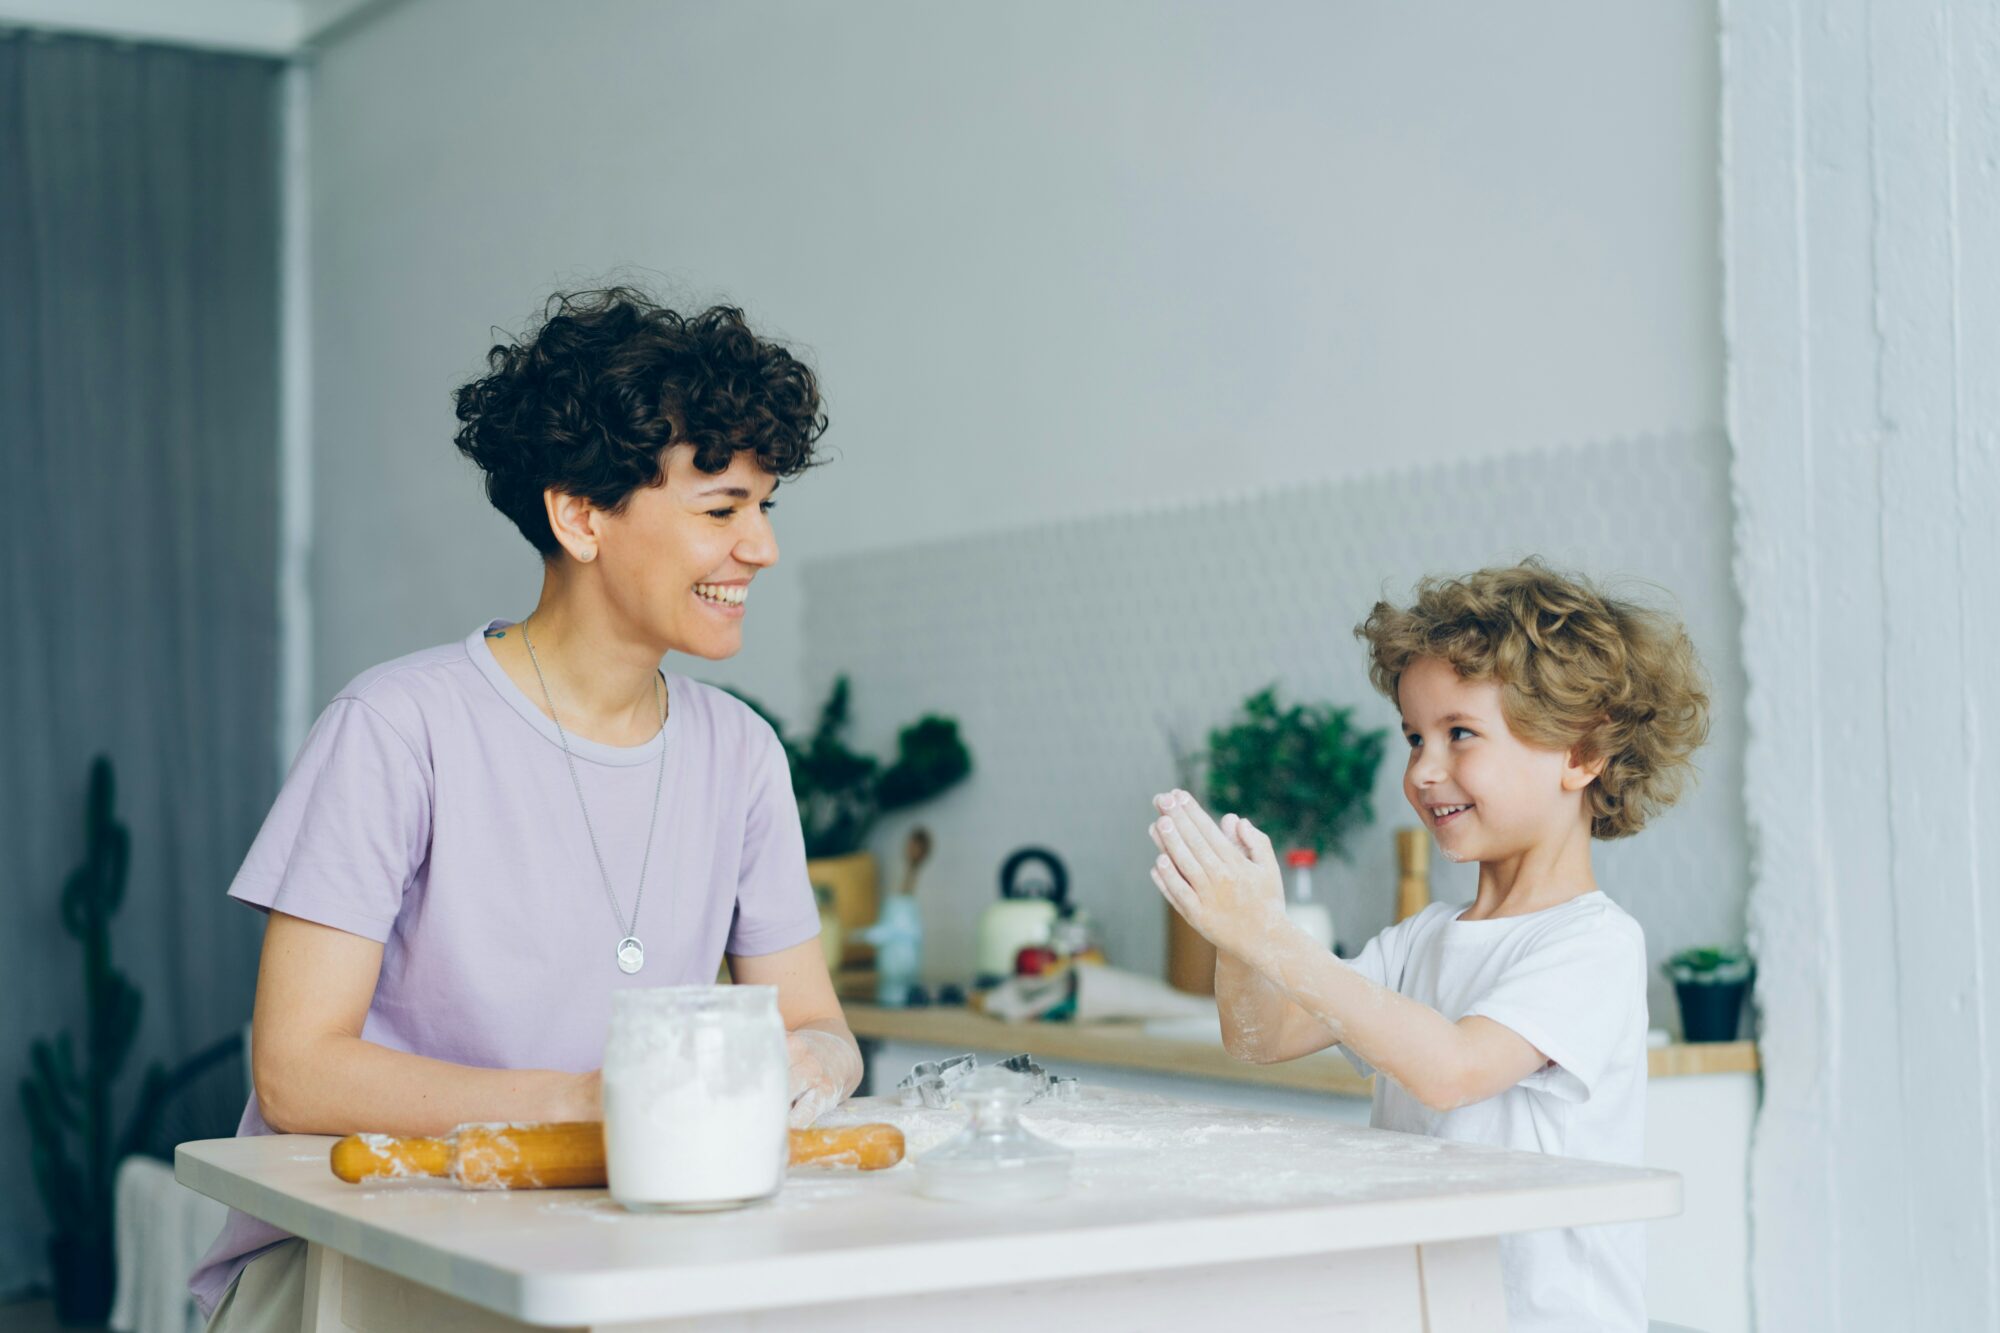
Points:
[(589, 402)]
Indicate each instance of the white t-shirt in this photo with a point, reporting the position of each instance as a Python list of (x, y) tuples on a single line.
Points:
[(1571, 981)]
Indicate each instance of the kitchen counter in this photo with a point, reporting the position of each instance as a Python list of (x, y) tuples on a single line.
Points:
[(1125, 1045), (1178, 1214)]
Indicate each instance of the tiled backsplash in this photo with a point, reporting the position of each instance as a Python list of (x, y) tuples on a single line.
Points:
[(1067, 651)]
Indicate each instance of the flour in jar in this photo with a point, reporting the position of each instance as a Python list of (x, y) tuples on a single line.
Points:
[(695, 1097)]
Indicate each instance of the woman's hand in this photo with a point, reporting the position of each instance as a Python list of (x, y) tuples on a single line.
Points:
[(825, 1060), (824, 1070), (1223, 879)]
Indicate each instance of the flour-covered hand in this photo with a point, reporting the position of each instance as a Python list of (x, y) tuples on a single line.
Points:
[(824, 1069), (1225, 884)]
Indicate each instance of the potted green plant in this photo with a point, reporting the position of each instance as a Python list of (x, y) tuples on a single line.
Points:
[(843, 794), (1710, 983), (1304, 774), (75, 1146)]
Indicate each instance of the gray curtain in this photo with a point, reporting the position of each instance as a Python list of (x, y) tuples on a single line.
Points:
[(139, 316)]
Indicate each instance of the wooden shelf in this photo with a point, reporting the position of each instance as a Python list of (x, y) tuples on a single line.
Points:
[(1124, 1046), (1703, 1057)]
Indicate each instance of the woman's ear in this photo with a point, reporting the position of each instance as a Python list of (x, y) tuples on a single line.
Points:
[(574, 520)]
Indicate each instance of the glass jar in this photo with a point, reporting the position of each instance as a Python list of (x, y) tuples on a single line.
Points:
[(995, 1159), (695, 1098)]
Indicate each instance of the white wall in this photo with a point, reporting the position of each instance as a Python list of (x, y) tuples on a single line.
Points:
[(1862, 234), (1052, 260)]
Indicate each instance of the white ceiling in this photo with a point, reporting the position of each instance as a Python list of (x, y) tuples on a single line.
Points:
[(262, 27)]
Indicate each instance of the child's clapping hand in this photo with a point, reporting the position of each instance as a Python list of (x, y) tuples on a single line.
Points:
[(1223, 879)]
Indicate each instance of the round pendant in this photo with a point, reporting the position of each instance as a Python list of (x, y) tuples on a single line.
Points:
[(631, 955)]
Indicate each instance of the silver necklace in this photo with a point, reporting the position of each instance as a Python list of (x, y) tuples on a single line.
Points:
[(631, 952)]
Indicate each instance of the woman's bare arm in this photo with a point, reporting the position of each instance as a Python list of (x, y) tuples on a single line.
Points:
[(825, 1059), (315, 1075)]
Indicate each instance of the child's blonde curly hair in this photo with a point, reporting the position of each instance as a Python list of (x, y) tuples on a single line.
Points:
[(1578, 672)]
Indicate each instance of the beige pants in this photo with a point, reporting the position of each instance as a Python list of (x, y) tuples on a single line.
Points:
[(268, 1296)]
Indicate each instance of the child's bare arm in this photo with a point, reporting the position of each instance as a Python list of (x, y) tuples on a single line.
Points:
[(1442, 1064), (1226, 893), (1260, 1023)]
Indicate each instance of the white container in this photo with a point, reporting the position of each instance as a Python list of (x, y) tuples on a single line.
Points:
[(1309, 914), (695, 1098), (1314, 920)]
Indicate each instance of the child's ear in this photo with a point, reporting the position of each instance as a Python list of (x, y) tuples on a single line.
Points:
[(1581, 769)]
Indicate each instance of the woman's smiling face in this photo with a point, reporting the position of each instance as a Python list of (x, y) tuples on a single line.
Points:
[(1485, 794), (680, 557)]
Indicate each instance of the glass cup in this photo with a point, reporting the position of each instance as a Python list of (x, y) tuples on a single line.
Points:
[(695, 1098)]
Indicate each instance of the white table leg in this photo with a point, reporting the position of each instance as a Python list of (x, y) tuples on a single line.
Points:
[(323, 1273), (344, 1295), (1462, 1288)]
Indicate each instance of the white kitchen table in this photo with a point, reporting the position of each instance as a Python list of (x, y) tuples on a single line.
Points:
[(1178, 1216)]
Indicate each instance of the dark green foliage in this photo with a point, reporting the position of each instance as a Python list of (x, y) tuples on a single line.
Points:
[(929, 758), (1708, 964), (75, 1145), (1303, 774), (841, 794)]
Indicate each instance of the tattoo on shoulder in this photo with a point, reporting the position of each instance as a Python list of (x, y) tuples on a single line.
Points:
[(496, 634)]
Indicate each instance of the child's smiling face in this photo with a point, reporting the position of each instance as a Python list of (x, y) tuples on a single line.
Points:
[(1485, 794)]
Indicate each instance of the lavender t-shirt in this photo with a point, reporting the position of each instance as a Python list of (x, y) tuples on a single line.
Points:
[(430, 810)]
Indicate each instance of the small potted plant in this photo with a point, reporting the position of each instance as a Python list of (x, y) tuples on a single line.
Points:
[(842, 795), (1710, 984), (1305, 775)]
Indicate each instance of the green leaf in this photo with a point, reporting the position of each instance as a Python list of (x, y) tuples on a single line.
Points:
[(144, 1122), (841, 793), (57, 1089), (930, 758), (1302, 773), (832, 717), (114, 1024), (56, 1176)]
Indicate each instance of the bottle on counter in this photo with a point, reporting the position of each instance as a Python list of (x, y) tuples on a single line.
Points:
[(1308, 913), (899, 942)]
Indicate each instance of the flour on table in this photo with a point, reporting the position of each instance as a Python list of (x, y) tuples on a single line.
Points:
[(1130, 1145)]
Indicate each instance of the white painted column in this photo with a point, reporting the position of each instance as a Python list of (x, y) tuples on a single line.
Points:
[(1862, 314)]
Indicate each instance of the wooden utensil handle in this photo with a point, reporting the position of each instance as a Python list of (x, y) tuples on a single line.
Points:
[(567, 1155)]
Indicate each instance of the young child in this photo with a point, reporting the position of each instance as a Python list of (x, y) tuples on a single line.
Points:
[(1539, 714)]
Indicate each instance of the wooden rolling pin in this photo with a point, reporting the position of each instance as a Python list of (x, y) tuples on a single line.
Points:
[(566, 1156)]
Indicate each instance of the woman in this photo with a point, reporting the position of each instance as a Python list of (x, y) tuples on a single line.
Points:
[(480, 842)]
